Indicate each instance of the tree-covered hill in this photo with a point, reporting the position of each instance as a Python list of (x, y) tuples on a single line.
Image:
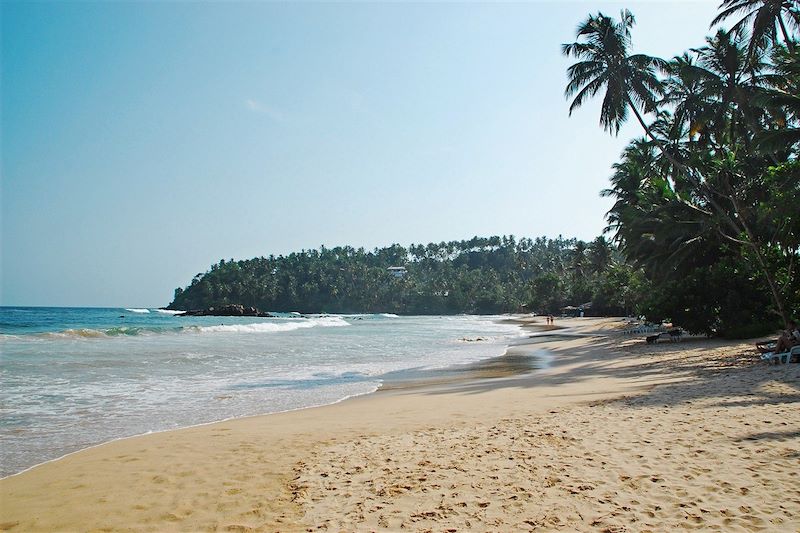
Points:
[(479, 275), (704, 225)]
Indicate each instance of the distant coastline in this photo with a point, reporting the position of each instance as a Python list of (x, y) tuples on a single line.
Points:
[(482, 275)]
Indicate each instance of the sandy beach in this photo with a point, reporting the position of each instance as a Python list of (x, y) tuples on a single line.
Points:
[(615, 435)]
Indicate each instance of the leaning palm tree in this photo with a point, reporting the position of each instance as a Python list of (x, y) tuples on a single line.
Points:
[(629, 80), (764, 18)]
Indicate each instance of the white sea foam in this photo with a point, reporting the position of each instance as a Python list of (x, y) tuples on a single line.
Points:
[(138, 310), (366, 315), (272, 327), (114, 378), (169, 311)]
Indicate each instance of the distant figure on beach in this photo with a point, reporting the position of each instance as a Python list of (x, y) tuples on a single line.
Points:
[(789, 338)]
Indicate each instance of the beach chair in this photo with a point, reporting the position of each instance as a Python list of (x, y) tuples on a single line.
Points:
[(675, 334), (782, 357)]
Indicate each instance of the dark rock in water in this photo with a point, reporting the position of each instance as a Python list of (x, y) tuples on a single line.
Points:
[(227, 310)]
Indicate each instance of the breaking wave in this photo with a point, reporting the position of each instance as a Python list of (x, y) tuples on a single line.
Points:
[(257, 327), (271, 327), (138, 310), (87, 333)]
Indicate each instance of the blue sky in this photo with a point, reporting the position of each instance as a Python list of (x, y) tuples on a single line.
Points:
[(142, 142)]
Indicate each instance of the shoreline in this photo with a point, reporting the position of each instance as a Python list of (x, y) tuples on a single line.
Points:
[(465, 454), (411, 378), (182, 428), (21, 455)]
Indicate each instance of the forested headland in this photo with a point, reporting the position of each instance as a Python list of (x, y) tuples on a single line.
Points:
[(705, 226), (479, 275)]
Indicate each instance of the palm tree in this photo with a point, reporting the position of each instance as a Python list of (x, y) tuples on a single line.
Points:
[(763, 17), (730, 80), (684, 92), (599, 254), (702, 195), (780, 138), (630, 80), (578, 259), (782, 99), (638, 163)]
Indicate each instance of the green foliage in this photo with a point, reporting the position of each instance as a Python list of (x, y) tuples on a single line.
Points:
[(706, 204), (479, 275), (725, 298)]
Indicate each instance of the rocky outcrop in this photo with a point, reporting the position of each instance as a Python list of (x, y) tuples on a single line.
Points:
[(227, 310)]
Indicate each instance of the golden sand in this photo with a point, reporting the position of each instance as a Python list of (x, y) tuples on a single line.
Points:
[(616, 436)]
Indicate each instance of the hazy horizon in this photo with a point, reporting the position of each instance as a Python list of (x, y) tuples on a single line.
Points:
[(143, 142)]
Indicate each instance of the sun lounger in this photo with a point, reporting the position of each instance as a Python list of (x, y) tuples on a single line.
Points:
[(674, 335), (781, 357), (643, 328)]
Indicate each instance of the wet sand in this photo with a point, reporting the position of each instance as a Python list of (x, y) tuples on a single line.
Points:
[(613, 435)]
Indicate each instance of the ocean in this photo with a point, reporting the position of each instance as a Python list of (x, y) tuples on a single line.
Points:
[(71, 378)]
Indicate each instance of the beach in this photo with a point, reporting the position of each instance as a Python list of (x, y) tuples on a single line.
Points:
[(614, 435)]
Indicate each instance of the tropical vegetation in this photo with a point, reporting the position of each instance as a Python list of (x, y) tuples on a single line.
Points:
[(704, 228), (707, 202), (478, 275)]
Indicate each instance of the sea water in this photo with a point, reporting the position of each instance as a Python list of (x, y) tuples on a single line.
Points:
[(71, 378)]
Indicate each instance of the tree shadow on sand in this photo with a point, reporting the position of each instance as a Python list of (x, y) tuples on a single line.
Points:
[(715, 373)]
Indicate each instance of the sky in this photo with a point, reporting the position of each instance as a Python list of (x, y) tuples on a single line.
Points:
[(144, 141)]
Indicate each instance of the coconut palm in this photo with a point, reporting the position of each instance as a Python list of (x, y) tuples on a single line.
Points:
[(763, 17), (781, 138), (692, 105), (599, 255), (630, 81), (728, 80), (782, 101), (578, 259), (665, 213), (637, 165)]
